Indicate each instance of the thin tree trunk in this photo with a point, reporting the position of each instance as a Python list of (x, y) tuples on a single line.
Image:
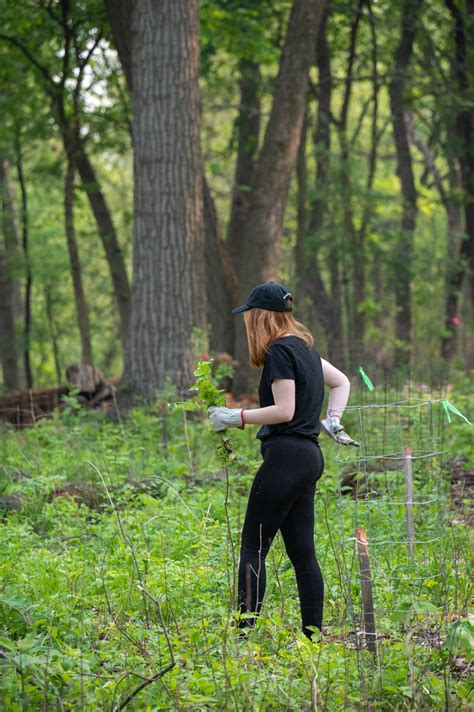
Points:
[(169, 295), (221, 281), (120, 14), (8, 348), (54, 335), (261, 236), (354, 242), (327, 305), (248, 129), (302, 217), (12, 258), (12, 235), (456, 266), (464, 39), (109, 239), (26, 256), (79, 296), (403, 260)]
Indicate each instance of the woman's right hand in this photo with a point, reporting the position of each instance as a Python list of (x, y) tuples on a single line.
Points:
[(332, 427)]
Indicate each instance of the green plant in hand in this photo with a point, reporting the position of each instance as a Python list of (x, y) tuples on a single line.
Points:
[(209, 394)]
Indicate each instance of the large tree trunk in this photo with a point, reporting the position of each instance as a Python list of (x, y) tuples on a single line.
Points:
[(257, 261), (109, 239), (169, 296), (12, 261), (82, 310), (403, 258), (220, 280)]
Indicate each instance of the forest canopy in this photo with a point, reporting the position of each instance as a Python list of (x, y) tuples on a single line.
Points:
[(326, 146)]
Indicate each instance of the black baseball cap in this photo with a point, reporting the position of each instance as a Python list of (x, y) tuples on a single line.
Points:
[(271, 296)]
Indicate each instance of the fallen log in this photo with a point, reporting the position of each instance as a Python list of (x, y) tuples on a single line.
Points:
[(23, 408)]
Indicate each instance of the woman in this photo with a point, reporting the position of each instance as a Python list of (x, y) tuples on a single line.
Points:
[(291, 393)]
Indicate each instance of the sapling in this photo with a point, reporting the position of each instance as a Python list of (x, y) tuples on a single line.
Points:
[(208, 394)]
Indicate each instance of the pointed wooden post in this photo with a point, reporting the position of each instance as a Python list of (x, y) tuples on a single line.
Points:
[(407, 467), (366, 587)]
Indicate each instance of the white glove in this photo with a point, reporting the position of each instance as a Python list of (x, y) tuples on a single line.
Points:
[(332, 427), (222, 418)]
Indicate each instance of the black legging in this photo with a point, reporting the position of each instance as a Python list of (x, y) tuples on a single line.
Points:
[(282, 497)]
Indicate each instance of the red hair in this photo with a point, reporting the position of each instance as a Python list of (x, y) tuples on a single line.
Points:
[(264, 326)]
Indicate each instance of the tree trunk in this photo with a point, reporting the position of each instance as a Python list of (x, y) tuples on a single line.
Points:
[(12, 260), (403, 258), (120, 14), (354, 243), (26, 255), (248, 129), (8, 348), (327, 305), (53, 330), (464, 123), (221, 282), (109, 239), (302, 217), (12, 235), (79, 296), (456, 266), (221, 293), (168, 296), (261, 235)]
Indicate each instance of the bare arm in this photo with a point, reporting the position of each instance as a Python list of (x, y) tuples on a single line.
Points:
[(339, 386), (283, 390)]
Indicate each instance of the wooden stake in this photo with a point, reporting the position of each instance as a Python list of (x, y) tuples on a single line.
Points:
[(407, 466), (366, 587)]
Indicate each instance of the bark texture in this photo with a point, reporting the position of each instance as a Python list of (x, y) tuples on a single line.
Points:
[(168, 296), (257, 261), (403, 257), (220, 280)]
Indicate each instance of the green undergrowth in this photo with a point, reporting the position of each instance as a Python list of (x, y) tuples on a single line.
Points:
[(117, 561)]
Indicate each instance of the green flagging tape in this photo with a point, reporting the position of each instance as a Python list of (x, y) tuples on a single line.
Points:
[(450, 407), (366, 379)]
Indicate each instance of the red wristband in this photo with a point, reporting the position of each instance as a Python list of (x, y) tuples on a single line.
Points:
[(242, 418)]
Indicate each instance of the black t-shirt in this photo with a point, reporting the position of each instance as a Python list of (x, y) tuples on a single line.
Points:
[(291, 358)]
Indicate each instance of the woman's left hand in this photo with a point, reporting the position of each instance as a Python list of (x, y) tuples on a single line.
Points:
[(222, 418), (333, 428)]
